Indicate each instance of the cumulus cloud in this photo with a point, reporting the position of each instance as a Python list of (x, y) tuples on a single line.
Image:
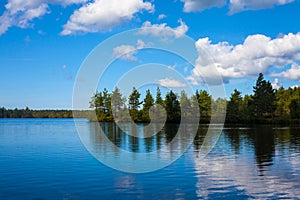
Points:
[(102, 15), (200, 5), (171, 83), (127, 52), (161, 16), (235, 6), (276, 84), (242, 5), (20, 13), (163, 30), (257, 54), (293, 73)]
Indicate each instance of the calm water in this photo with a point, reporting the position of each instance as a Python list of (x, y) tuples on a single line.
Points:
[(45, 159)]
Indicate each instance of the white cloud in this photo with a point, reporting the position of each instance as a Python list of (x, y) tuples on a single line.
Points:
[(257, 54), (171, 83), (276, 84), (171, 67), (5, 22), (242, 5), (293, 73), (161, 16), (68, 2), (127, 52), (200, 5), (20, 13), (235, 6), (102, 15), (163, 30)]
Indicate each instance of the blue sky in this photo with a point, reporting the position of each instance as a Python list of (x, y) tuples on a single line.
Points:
[(43, 43)]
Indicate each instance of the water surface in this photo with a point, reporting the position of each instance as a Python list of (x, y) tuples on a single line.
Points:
[(45, 159)]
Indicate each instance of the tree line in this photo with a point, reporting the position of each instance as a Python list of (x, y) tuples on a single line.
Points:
[(265, 105), (28, 113)]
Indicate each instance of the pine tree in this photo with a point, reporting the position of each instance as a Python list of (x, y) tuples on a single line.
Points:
[(205, 104), (234, 107), (295, 109), (185, 104), (264, 97), (134, 104), (172, 107), (148, 103), (107, 105), (116, 102), (158, 99), (159, 110)]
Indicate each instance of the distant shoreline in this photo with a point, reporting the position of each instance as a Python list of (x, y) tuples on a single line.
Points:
[(63, 114), (28, 113)]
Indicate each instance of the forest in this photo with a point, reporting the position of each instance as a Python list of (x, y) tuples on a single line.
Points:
[(266, 105), (28, 113)]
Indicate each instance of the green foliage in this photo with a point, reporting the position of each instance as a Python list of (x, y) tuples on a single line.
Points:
[(295, 108), (117, 104), (185, 104), (158, 107), (266, 105), (205, 105), (282, 102), (248, 109), (287, 103), (234, 107), (172, 107), (158, 99), (101, 102), (263, 98), (28, 113), (148, 103), (134, 104)]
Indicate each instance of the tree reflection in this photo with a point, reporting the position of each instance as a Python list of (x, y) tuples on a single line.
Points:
[(264, 146), (234, 136), (261, 138), (132, 138), (199, 138), (170, 131)]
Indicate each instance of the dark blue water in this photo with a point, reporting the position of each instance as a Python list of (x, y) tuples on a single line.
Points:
[(45, 159)]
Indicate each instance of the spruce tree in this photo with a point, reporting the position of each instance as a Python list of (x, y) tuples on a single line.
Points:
[(264, 97), (134, 104)]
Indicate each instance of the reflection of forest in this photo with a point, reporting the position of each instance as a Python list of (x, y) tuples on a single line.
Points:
[(131, 137), (231, 168), (263, 140)]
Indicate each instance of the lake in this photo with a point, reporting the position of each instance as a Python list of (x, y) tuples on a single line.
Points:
[(46, 159)]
